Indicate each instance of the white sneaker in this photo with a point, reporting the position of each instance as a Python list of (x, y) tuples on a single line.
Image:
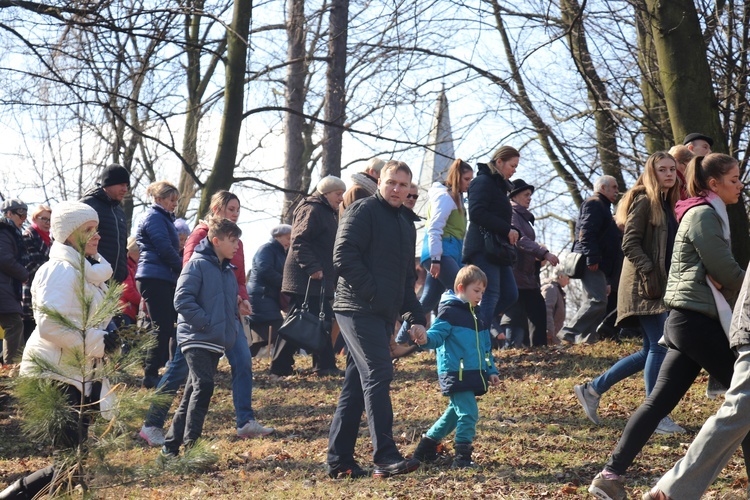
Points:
[(253, 429), (589, 399), (154, 436), (667, 426)]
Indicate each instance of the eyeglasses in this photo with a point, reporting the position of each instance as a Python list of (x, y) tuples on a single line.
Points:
[(44, 219), (412, 196)]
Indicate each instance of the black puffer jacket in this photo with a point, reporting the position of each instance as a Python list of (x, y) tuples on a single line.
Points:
[(311, 250), (113, 229), (12, 270), (264, 284), (489, 208), (597, 236), (374, 258)]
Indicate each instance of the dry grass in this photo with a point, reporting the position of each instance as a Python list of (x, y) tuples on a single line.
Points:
[(533, 440)]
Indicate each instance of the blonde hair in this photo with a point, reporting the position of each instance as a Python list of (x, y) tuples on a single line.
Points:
[(648, 183), (453, 181), (503, 153), (162, 190), (682, 154), (132, 245), (468, 275), (39, 209)]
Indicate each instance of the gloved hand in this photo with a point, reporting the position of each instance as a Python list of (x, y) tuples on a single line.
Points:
[(111, 342)]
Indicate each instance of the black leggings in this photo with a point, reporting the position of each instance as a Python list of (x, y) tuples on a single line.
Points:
[(158, 295), (695, 341)]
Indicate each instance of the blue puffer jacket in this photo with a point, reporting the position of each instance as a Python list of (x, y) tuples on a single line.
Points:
[(464, 350), (160, 246), (206, 302), (264, 285)]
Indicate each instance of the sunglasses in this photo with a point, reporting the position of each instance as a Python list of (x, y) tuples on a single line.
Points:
[(20, 213), (412, 196)]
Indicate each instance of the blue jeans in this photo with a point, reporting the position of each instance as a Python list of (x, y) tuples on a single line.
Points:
[(242, 382), (433, 290), (501, 291), (648, 359), (462, 414)]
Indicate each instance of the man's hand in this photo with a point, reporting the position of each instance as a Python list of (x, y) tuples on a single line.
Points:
[(494, 380), (317, 275), (609, 290), (418, 334), (513, 236), (244, 306), (593, 267), (716, 283), (551, 258)]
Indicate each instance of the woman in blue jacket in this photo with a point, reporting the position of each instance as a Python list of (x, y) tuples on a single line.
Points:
[(159, 267), (264, 287)]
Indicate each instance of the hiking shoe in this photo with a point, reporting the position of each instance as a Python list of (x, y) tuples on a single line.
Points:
[(589, 399), (403, 467), (347, 471), (608, 489), (165, 457), (253, 429), (463, 460), (426, 450), (154, 436), (667, 426)]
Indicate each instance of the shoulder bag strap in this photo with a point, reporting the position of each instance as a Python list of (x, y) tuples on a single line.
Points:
[(322, 314)]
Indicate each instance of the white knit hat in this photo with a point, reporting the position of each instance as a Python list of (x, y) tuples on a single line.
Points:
[(69, 216), (329, 184)]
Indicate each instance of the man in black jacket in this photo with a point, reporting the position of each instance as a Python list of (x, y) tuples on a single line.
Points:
[(374, 258), (599, 239), (106, 199)]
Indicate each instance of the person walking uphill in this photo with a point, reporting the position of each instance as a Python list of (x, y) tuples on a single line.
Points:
[(309, 263), (106, 199), (374, 258), (598, 239), (490, 214)]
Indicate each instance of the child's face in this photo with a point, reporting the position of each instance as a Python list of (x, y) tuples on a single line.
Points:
[(472, 292), (226, 247)]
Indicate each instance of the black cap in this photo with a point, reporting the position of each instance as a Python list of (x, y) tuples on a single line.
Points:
[(114, 174), (697, 136), (520, 185)]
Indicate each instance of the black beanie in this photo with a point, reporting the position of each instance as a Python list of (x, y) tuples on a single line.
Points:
[(114, 174)]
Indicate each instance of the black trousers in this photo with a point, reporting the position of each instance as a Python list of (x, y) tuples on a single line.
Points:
[(366, 388), (530, 312), (158, 295), (695, 341), (283, 352)]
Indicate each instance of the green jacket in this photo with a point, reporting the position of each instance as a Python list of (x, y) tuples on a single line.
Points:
[(700, 249)]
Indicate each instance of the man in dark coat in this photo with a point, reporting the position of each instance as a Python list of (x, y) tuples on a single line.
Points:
[(599, 239), (12, 275), (106, 199), (374, 258)]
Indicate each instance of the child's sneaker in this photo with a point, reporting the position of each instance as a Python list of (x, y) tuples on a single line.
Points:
[(154, 436), (253, 429)]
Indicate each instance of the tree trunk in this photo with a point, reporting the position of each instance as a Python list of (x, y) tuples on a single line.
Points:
[(222, 174), (688, 91), (294, 124), (335, 103), (656, 127), (606, 126)]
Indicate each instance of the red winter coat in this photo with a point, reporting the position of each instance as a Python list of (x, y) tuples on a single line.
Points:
[(130, 298)]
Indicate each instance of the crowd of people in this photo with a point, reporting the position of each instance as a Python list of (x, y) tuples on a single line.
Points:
[(662, 264)]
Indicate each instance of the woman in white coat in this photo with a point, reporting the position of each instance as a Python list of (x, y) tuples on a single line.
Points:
[(55, 347)]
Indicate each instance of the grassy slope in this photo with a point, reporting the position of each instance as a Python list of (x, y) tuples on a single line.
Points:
[(533, 440)]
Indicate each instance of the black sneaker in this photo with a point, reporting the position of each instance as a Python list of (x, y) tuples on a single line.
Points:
[(403, 467), (347, 471)]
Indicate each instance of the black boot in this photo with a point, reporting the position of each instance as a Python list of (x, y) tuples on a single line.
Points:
[(462, 459), (14, 492), (427, 450)]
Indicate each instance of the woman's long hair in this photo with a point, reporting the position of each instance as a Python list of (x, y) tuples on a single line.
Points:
[(453, 181), (219, 201), (648, 183)]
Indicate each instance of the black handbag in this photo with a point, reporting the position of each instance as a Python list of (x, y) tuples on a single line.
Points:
[(305, 328), (498, 250)]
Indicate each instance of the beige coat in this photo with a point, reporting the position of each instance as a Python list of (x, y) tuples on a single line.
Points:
[(643, 278)]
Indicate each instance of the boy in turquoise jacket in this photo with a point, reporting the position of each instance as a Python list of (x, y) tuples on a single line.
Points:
[(465, 365)]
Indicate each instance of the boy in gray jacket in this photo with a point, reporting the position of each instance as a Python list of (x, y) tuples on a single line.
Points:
[(206, 304)]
